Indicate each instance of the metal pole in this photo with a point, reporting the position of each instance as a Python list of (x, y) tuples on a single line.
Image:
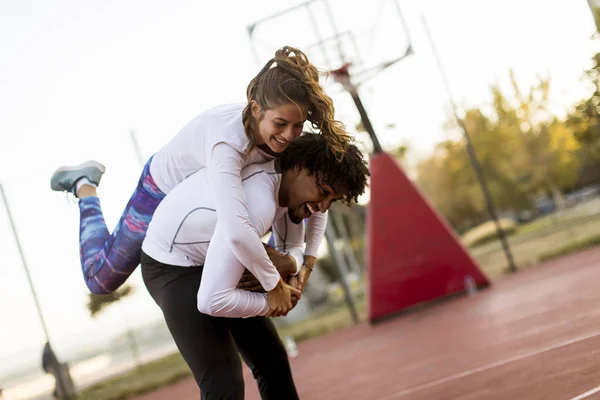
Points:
[(403, 21), (59, 372), (365, 118), (24, 262), (313, 20), (338, 220), (250, 29), (342, 75), (341, 268), (136, 147), (335, 29), (472, 155)]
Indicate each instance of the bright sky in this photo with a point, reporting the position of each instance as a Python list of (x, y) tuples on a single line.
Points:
[(77, 75)]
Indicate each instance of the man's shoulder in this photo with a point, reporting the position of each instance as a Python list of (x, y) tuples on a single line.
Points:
[(260, 183), (260, 172)]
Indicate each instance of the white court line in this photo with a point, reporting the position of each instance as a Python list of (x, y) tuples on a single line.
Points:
[(587, 394), (492, 365)]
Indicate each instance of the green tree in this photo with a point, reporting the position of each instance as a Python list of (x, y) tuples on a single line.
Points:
[(523, 150), (449, 181), (585, 118), (551, 164), (97, 303)]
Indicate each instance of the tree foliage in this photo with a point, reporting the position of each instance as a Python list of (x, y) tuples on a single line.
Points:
[(585, 118), (525, 152), (97, 303)]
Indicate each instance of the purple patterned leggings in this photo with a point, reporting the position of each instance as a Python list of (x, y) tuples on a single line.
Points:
[(107, 259)]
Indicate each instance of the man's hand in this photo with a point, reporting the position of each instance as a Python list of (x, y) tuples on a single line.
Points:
[(293, 281), (304, 274), (280, 299)]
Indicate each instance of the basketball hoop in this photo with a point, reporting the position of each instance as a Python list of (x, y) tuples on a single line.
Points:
[(342, 75)]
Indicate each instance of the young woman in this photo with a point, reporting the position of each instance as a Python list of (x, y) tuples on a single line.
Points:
[(284, 94)]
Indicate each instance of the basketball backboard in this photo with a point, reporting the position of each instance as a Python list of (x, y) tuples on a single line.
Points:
[(368, 34)]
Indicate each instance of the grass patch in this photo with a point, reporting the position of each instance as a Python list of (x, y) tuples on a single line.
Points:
[(536, 241), (539, 225), (149, 377), (571, 248), (487, 232)]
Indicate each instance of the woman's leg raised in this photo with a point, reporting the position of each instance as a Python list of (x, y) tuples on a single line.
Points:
[(108, 259)]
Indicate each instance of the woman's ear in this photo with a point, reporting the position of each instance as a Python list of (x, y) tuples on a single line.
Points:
[(255, 109)]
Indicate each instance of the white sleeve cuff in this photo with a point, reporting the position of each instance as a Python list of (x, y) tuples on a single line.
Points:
[(298, 255)]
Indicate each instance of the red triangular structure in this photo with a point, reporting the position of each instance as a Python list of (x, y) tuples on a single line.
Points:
[(413, 254)]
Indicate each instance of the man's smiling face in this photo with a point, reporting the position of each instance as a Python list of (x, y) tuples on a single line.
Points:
[(306, 196)]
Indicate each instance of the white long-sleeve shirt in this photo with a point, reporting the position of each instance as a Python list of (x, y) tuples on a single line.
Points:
[(185, 231), (216, 139)]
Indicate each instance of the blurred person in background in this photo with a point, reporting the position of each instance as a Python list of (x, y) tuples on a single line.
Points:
[(51, 366), (63, 384)]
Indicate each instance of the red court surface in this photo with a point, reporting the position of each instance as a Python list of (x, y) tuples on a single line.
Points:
[(532, 335)]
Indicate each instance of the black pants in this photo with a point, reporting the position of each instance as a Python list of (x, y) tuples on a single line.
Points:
[(210, 345)]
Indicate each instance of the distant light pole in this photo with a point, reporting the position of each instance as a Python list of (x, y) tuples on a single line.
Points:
[(472, 156), (61, 379)]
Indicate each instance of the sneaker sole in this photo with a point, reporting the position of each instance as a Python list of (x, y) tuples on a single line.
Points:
[(87, 164)]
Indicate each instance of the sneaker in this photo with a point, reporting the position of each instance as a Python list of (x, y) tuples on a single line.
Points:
[(65, 178)]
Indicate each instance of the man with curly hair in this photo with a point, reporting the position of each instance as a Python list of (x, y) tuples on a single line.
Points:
[(192, 274)]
